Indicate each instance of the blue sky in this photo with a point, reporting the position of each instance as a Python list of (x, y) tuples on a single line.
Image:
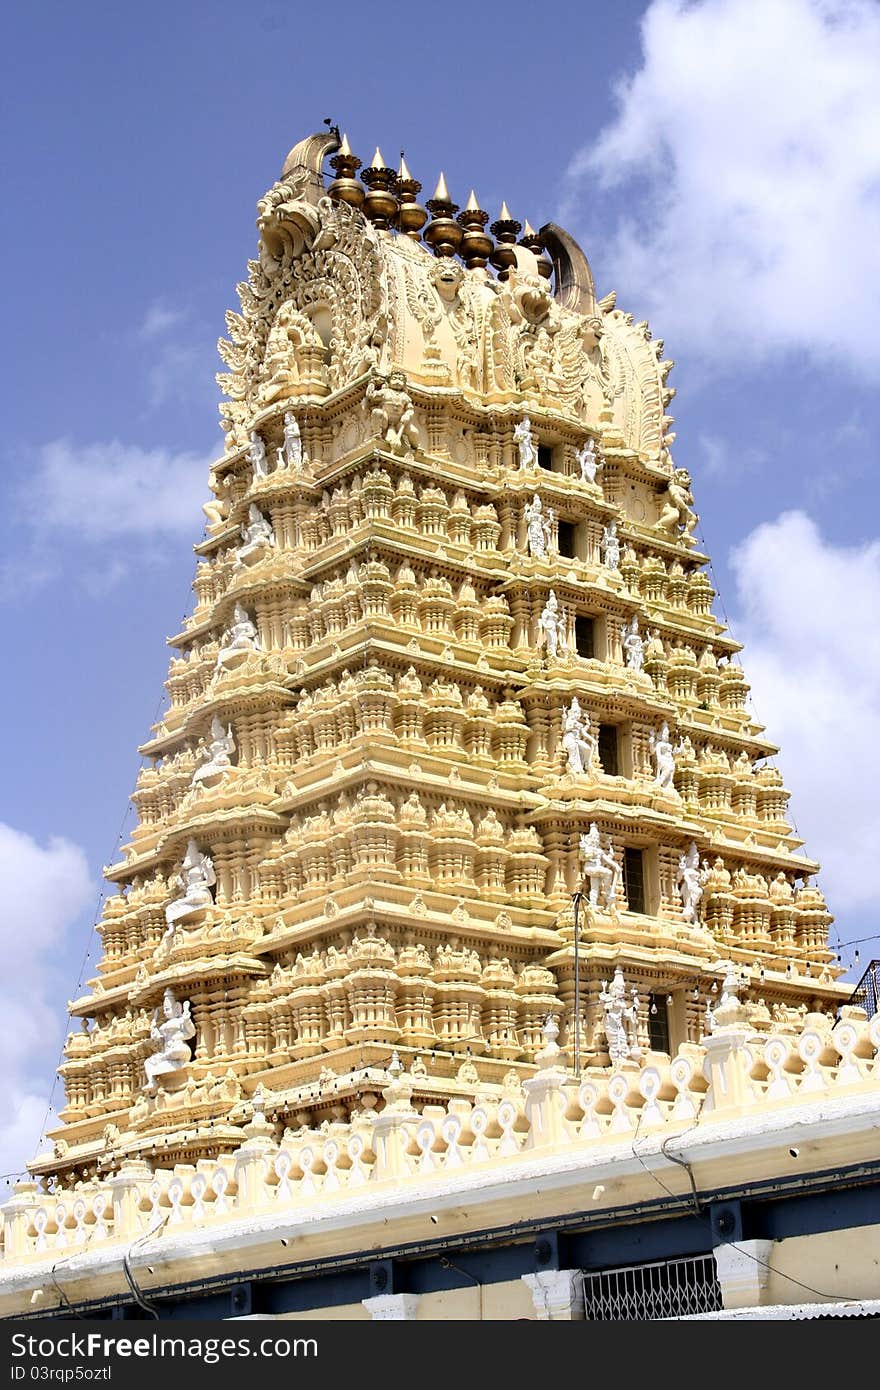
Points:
[(718, 161)]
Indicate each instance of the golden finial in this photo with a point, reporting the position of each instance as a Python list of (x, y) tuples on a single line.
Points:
[(505, 231), (345, 187), (532, 242), (411, 216), (475, 244), (380, 204), (441, 192), (443, 234)]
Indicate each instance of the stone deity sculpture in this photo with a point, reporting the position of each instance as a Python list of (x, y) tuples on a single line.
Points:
[(577, 741), (633, 646), (528, 454), (290, 455), (611, 546), (676, 512), (539, 528), (392, 414), (240, 637), (196, 879), (689, 883), (621, 1020), (588, 462), (601, 869), (256, 536), (664, 758), (217, 754), (173, 1052), (257, 456), (552, 625)]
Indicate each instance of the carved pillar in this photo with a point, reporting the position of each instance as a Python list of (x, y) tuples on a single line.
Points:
[(557, 1294)]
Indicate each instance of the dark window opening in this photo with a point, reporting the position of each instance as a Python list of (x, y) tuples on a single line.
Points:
[(658, 1023), (585, 637), (608, 749), (565, 538), (634, 879), (545, 456)]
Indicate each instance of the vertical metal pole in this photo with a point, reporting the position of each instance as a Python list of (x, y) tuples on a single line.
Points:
[(575, 903)]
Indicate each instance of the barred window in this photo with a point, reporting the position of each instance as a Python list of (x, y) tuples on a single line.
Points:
[(647, 1293)]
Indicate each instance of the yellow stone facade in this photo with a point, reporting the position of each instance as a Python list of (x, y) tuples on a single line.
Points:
[(361, 816)]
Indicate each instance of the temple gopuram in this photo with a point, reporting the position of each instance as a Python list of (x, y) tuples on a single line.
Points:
[(463, 919)]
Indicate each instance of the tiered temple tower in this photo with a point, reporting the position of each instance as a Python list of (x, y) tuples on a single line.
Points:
[(452, 712)]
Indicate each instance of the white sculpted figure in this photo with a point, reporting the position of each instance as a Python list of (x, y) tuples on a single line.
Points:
[(600, 868), (256, 535), (621, 1020), (588, 462), (577, 741), (241, 636), (217, 754), (633, 646), (257, 456), (690, 883), (552, 624), (196, 878), (290, 455), (664, 757), (173, 1052), (528, 454), (539, 527), (392, 413), (611, 546)]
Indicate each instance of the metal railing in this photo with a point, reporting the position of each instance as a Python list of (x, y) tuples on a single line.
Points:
[(649, 1292), (866, 994)]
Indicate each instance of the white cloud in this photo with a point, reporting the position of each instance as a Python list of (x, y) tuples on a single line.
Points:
[(159, 318), (808, 619), (42, 892), (745, 151), (110, 490)]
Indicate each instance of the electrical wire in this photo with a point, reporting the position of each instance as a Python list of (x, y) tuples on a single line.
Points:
[(831, 1297)]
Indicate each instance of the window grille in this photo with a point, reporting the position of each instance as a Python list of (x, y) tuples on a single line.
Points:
[(648, 1293)]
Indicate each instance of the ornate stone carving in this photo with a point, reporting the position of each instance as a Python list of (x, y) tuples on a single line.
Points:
[(173, 1053), (676, 507), (600, 870), (578, 743), (588, 462), (611, 546), (257, 455), (689, 883), (257, 536), (528, 453), (621, 1020), (290, 455), (552, 623), (664, 758), (217, 754), (633, 646), (539, 528), (392, 414), (196, 879)]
